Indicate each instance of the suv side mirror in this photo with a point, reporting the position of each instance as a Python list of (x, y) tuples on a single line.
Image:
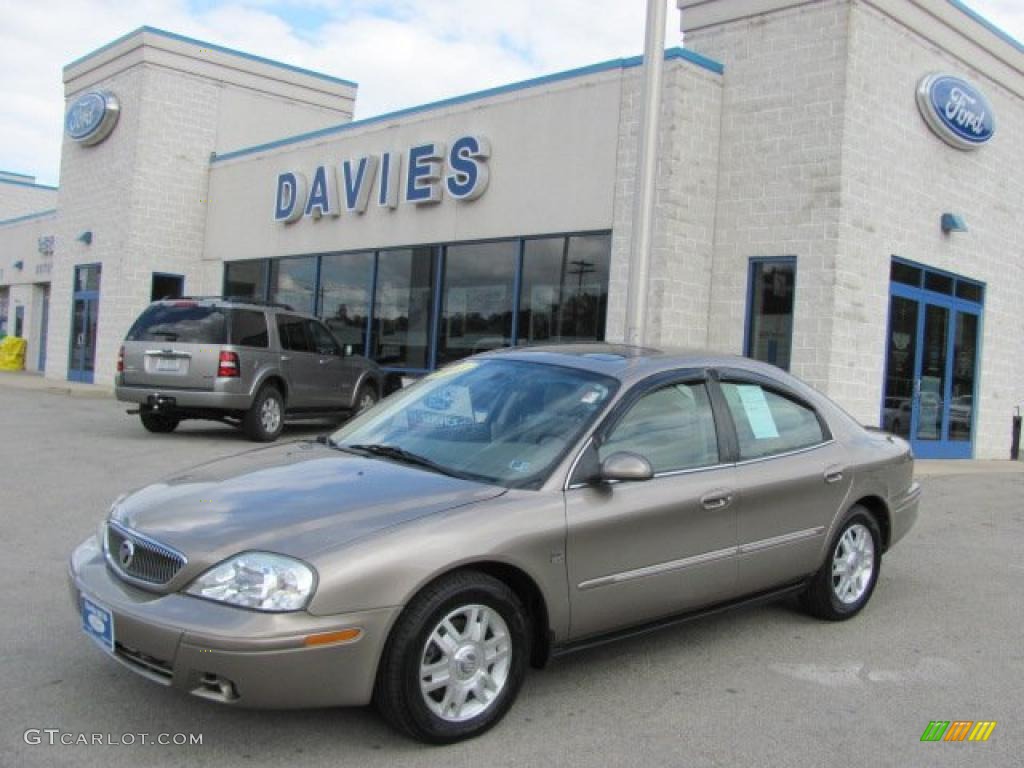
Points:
[(625, 466)]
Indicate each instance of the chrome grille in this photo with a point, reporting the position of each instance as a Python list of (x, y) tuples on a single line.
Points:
[(151, 562)]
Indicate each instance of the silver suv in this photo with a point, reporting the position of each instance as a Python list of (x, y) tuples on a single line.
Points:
[(245, 363)]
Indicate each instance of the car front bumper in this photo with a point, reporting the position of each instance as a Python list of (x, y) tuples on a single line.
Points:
[(228, 654)]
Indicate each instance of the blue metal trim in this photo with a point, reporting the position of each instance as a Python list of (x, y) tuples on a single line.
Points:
[(316, 285), (591, 69), (517, 288), (372, 304), (437, 310), (29, 216), (90, 297), (990, 26), (945, 273), (213, 47), (31, 184)]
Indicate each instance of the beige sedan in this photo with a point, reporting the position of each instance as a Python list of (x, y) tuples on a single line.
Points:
[(506, 509)]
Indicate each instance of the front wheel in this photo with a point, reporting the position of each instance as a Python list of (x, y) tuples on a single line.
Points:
[(159, 423), (366, 398), (455, 660), (845, 582)]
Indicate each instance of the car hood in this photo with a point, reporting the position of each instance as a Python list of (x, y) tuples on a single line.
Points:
[(294, 499)]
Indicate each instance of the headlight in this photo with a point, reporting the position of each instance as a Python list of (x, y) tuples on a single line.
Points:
[(259, 580)]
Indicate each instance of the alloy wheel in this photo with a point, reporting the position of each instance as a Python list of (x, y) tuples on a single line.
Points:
[(853, 564)]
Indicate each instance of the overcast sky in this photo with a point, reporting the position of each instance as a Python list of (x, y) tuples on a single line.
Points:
[(401, 52)]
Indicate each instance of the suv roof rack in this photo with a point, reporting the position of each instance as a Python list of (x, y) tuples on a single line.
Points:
[(234, 300)]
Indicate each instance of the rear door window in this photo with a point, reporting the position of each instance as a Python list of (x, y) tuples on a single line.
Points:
[(322, 339), (769, 422), (294, 334), (248, 328), (181, 322)]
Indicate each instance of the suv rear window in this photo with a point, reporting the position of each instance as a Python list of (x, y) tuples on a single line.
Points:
[(182, 322), (248, 328)]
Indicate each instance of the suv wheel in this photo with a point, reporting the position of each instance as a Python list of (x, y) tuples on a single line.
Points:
[(455, 659), (366, 397), (160, 423), (264, 421)]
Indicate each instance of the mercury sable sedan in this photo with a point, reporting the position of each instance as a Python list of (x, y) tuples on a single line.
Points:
[(503, 510)]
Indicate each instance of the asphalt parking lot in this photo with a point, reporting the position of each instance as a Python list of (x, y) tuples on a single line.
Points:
[(765, 686)]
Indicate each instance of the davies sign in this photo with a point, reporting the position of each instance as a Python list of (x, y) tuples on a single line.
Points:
[(955, 110), (421, 175)]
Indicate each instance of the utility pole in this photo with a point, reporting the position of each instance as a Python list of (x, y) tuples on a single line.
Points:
[(647, 163)]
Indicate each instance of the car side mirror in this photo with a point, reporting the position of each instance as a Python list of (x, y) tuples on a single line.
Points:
[(625, 466)]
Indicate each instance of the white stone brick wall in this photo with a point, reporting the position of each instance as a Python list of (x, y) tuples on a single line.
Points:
[(687, 175), (779, 173), (898, 178), (20, 198)]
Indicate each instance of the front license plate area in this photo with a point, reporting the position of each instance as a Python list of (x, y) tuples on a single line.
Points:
[(98, 623)]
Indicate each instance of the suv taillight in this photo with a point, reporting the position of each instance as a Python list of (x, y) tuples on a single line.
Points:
[(120, 360), (228, 365)]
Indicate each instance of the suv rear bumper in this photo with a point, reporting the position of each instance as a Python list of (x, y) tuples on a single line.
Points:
[(186, 398)]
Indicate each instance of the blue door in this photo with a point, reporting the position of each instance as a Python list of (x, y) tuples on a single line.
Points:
[(84, 317), (932, 361)]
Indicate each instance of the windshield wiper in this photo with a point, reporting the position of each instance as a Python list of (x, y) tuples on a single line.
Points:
[(402, 455)]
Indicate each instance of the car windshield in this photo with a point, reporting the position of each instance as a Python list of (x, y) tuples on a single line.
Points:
[(503, 422)]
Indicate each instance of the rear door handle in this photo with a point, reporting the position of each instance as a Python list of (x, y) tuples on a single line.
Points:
[(716, 500), (833, 474)]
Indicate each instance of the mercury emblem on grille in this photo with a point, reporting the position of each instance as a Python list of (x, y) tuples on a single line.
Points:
[(126, 553)]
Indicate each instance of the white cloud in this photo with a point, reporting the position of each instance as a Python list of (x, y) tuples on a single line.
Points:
[(401, 52)]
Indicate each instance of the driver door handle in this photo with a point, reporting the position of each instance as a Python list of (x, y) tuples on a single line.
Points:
[(719, 499), (833, 474)]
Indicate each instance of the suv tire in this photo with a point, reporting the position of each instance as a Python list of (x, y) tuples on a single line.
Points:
[(264, 421), (159, 423)]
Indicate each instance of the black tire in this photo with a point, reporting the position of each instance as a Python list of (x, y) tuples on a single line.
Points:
[(258, 428), (822, 597), (159, 423), (398, 695)]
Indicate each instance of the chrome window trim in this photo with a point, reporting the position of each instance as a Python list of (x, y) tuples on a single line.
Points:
[(784, 454)]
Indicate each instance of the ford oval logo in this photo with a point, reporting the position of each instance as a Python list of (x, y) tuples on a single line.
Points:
[(955, 110), (91, 117), (126, 553)]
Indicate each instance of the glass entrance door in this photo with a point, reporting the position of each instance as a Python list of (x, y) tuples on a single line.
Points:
[(84, 317), (931, 361)]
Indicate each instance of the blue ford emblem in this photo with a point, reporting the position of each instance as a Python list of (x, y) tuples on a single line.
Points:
[(91, 117), (955, 110), (126, 553)]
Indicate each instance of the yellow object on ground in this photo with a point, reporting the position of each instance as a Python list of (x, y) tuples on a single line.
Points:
[(12, 354)]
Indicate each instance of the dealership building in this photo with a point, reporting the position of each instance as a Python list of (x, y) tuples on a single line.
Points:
[(839, 191)]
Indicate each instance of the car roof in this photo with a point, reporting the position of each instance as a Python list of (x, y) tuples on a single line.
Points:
[(627, 362), (234, 302)]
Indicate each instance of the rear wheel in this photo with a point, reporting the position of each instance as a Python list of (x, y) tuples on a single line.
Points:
[(264, 421), (455, 660), (845, 582), (160, 423)]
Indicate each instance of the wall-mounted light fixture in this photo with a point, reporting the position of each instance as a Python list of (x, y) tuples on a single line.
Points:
[(19, 265), (952, 222), (85, 237)]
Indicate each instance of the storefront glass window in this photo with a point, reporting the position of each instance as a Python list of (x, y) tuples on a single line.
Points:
[(291, 282), (564, 293), (402, 307), (476, 314), (770, 310), (345, 285), (246, 279)]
